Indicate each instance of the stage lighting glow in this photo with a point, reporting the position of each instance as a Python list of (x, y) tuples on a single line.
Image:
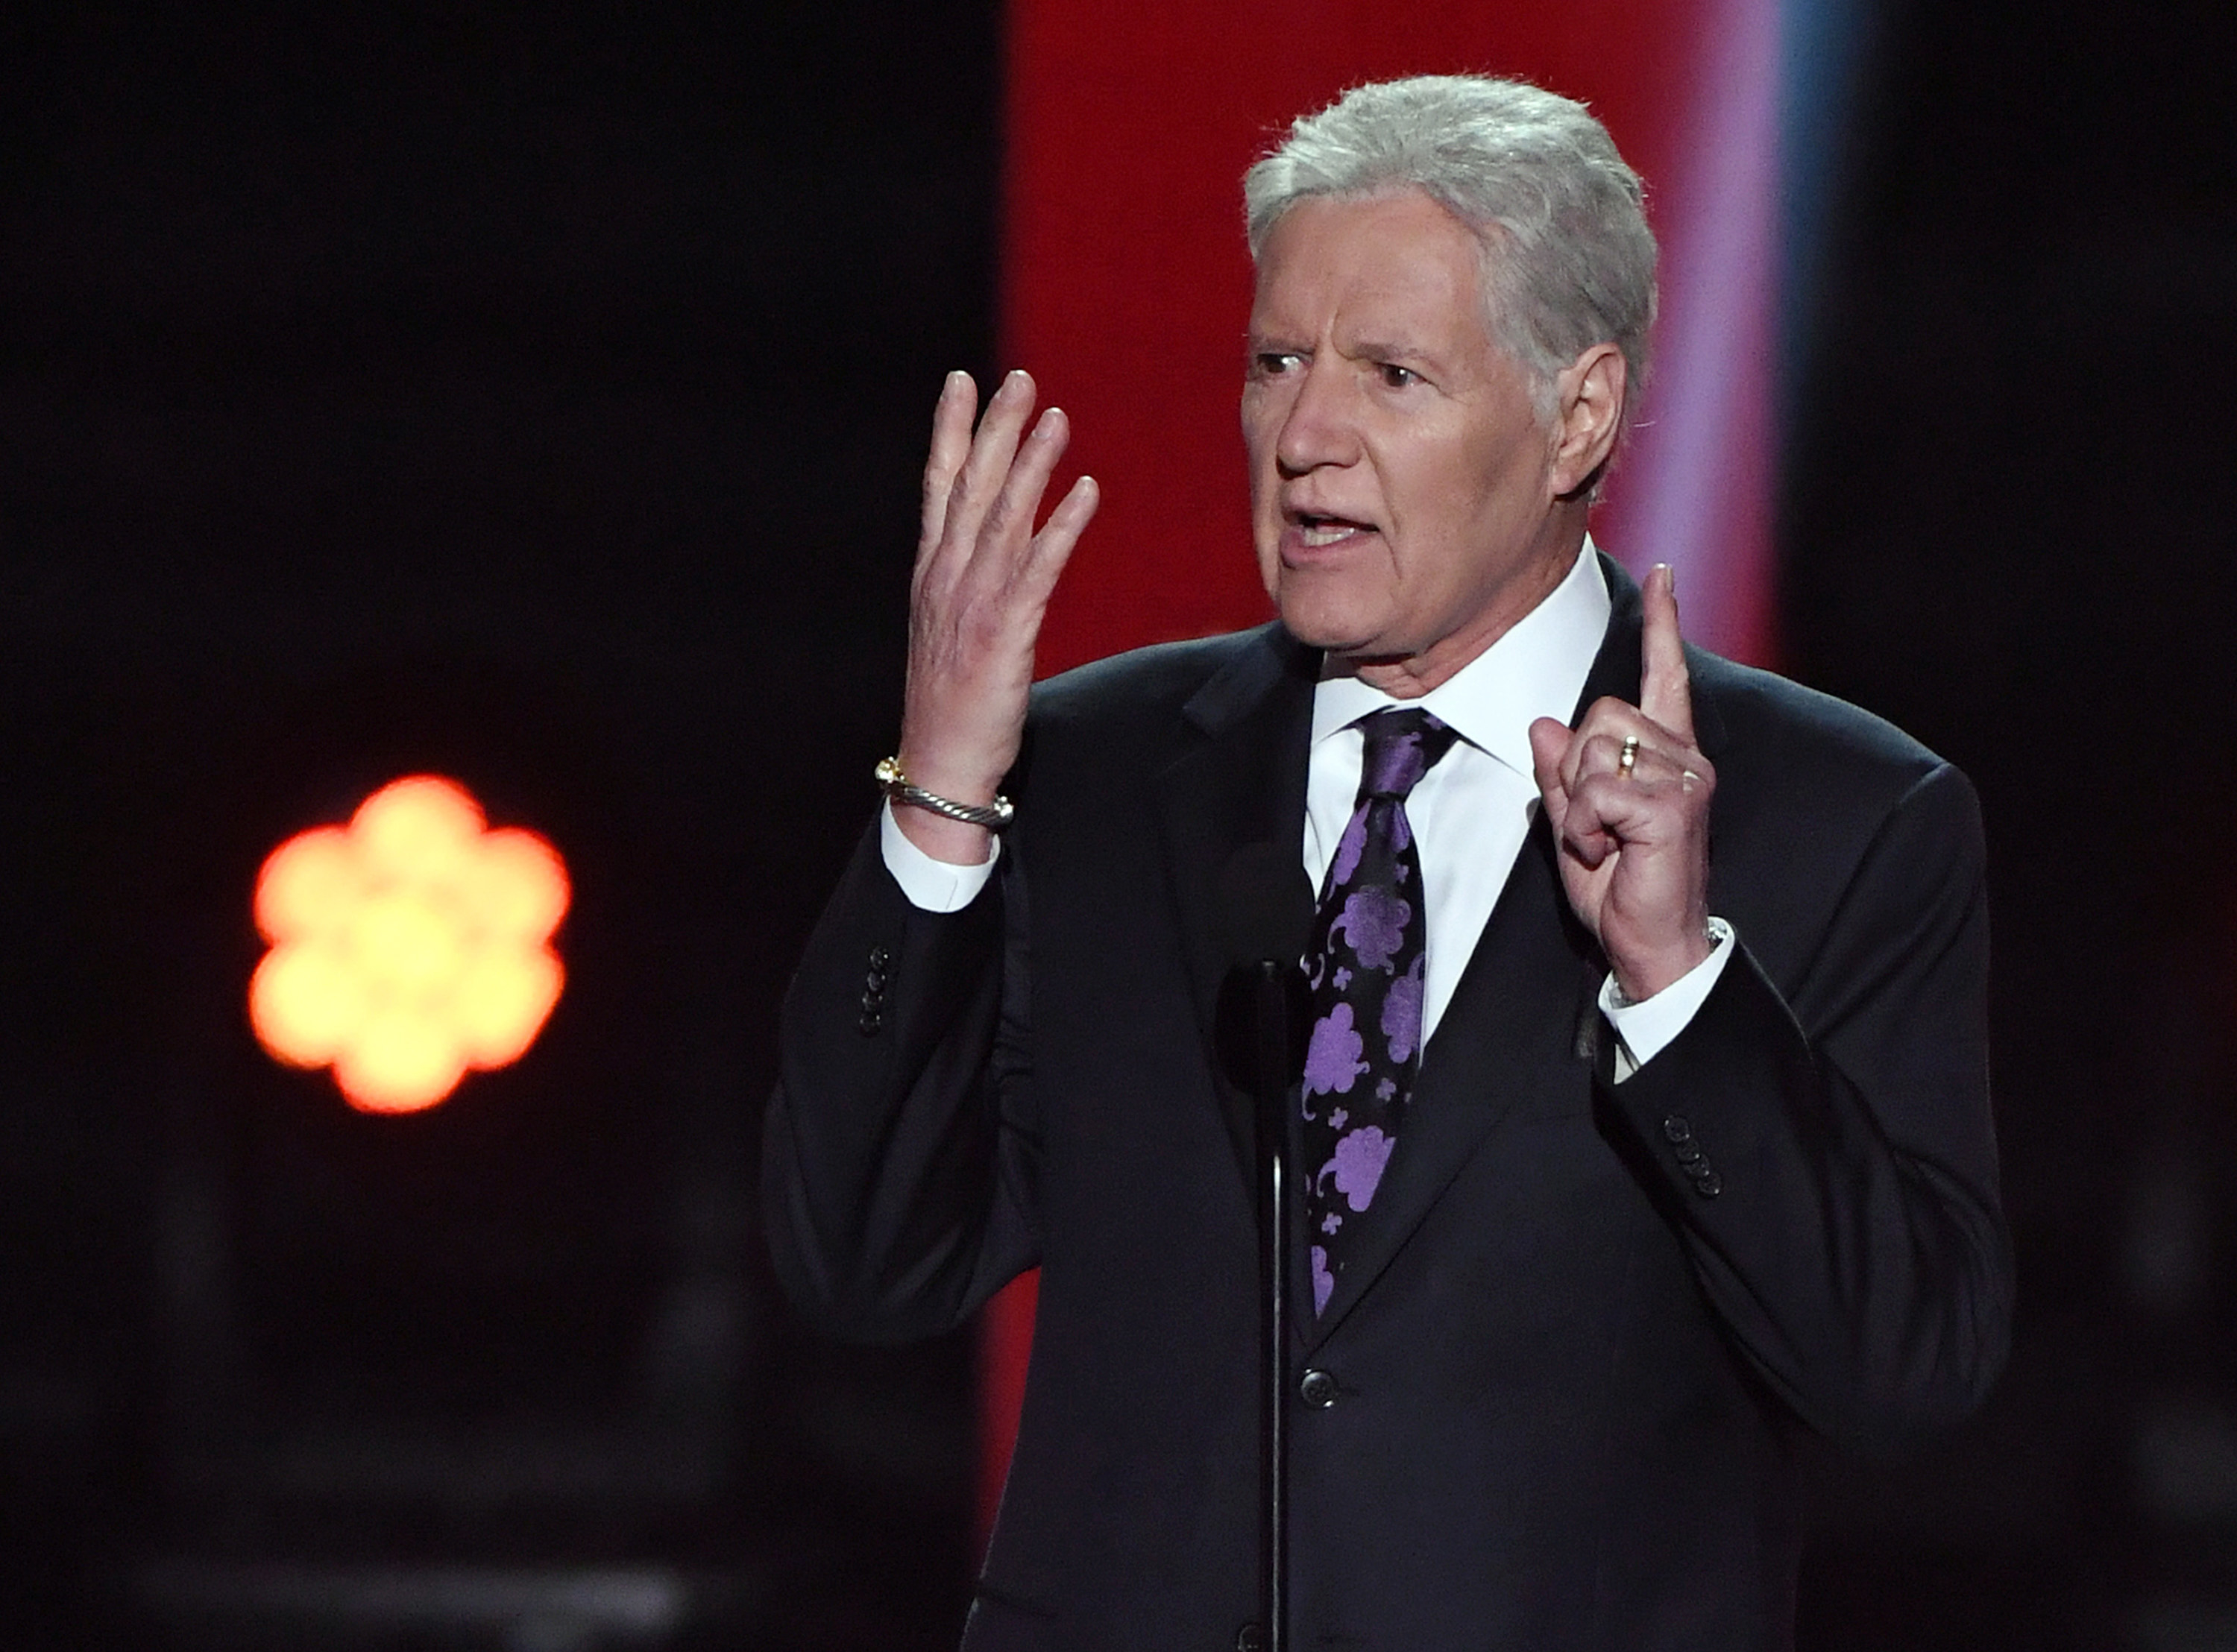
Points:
[(408, 947)]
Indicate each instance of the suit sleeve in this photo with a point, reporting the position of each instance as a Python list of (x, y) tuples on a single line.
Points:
[(1825, 1151), (899, 1156)]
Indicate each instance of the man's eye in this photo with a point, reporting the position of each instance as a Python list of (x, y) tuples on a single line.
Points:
[(1395, 376), (1269, 362)]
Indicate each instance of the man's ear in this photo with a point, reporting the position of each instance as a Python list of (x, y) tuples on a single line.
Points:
[(1588, 416)]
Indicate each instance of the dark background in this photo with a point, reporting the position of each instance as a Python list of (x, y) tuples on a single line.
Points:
[(538, 400)]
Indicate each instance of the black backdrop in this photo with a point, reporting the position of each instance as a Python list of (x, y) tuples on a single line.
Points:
[(2009, 525), (537, 400)]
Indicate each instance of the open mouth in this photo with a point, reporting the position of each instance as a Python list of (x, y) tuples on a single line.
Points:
[(1313, 530)]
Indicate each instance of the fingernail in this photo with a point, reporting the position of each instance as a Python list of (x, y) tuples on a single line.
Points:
[(1016, 376), (956, 380)]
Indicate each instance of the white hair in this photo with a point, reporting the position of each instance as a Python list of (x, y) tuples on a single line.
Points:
[(1568, 262)]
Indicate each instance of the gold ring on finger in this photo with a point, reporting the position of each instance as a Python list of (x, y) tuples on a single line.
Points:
[(1628, 756)]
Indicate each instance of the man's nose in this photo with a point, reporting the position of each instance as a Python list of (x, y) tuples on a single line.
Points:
[(1319, 428)]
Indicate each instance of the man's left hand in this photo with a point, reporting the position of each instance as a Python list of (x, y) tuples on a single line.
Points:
[(1633, 832)]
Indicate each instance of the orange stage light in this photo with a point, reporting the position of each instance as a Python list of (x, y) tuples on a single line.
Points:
[(408, 947)]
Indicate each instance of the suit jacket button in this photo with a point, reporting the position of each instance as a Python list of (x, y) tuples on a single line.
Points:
[(868, 1025), (1318, 1389), (1249, 1638), (880, 957), (1675, 1128), (1709, 1186), (1687, 1154)]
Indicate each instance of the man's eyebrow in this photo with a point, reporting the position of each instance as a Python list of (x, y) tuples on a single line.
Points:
[(1388, 350)]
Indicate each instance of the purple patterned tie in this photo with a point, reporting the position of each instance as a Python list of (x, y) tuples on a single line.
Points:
[(1364, 963)]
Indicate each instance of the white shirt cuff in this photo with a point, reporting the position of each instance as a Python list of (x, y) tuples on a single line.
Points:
[(932, 885), (1644, 1029)]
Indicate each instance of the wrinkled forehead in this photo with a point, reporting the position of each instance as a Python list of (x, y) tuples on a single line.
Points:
[(1373, 259)]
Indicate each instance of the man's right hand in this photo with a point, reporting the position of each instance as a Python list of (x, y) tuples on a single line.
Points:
[(982, 582)]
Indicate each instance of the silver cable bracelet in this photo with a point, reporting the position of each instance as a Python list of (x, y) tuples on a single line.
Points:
[(895, 785)]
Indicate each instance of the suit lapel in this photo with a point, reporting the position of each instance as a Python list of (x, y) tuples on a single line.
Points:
[(1510, 1033), (1523, 1023), (1241, 779)]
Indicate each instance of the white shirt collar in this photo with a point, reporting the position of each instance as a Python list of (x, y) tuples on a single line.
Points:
[(1536, 669)]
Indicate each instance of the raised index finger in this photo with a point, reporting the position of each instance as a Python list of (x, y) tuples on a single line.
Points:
[(1664, 691)]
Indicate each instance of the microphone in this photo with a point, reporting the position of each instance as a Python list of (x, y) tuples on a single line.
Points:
[(1265, 916)]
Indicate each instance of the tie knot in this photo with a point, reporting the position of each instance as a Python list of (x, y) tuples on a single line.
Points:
[(1403, 745)]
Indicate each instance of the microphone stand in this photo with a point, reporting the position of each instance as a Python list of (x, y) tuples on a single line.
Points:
[(1271, 1038), (1266, 908)]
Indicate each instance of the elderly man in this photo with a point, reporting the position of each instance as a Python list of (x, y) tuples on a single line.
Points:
[(1644, 1120)]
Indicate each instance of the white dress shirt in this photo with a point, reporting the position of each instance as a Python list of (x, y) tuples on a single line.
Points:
[(1469, 814)]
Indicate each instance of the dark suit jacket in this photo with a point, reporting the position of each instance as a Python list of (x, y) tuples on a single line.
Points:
[(1568, 1363)]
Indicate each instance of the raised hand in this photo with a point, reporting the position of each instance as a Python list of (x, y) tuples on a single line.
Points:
[(981, 584), (1633, 831)]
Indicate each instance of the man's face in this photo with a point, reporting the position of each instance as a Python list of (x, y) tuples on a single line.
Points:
[(1400, 476)]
